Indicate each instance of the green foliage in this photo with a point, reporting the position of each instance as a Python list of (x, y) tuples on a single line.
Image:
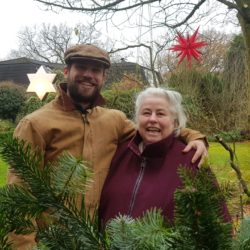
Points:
[(149, 232), (197, 117), (242, 241), (214, 95), (187, 81), (66, 225), (55, 188), (6, 126), (198, 213), (235, 53), (4, 229), (12, 98), (59, 76), (33, 103), (122, 100), (198, 220), (229, 136), (189, 84)]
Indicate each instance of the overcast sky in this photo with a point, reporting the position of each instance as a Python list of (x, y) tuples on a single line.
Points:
[(16, 14)]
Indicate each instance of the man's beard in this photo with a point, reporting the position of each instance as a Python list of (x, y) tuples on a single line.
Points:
[(79, 97)]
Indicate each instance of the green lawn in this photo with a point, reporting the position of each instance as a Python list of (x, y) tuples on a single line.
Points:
[(218, 156), (3, 170), (219, 159)]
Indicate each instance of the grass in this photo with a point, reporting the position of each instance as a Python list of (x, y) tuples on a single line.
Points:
[(219, 159), (3, 172), (226, 176)]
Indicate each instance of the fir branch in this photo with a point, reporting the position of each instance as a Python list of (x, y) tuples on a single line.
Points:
[(119, 230), (198, 213), (53, 188), (152, 231), (5, 228), (26, 163), (18, 207), (72, 176), (148, 232), (57, 237)]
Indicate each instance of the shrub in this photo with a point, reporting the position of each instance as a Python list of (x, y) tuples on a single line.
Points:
[(33, 103), (228, 136), (12, 98), (6, 128), (122, 100), (6, 125)]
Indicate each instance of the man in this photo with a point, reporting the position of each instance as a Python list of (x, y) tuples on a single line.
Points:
[(76, 123)]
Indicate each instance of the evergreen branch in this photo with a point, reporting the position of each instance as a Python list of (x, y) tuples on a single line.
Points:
[(152, 232), (120, 233), (149, 232), (198, 220), (55, 189), (27, 164), (82, 230), (19, 201), (57, 237), (198, 213), (5, 228), (72, 176)]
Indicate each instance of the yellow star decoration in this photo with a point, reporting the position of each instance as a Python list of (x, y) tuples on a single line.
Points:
[(41, 82)]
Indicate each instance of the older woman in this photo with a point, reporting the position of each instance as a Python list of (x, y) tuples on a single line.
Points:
[(143, 172)]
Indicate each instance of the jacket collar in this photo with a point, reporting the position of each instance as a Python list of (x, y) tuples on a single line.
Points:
[(68, 103), (154, 150)]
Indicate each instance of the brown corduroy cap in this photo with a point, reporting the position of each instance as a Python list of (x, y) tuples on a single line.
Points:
[(87, 52)]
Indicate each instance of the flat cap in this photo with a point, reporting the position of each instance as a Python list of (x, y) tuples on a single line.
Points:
[(87, 52)]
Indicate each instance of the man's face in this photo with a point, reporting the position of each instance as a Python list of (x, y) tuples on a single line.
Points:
[(85, 80)]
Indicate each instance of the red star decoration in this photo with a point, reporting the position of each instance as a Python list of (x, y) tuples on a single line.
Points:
[(188, 47)]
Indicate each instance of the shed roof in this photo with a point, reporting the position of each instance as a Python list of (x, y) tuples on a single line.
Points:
[(16, 70)]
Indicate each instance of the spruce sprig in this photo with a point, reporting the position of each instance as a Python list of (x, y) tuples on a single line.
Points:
[(148, 232), (54, 189), (198, 212)]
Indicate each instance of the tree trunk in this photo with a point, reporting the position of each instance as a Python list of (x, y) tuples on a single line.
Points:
[(245, 26)]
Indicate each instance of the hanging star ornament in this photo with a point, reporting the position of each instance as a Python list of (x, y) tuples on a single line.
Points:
[(41, 82), (188, 47)]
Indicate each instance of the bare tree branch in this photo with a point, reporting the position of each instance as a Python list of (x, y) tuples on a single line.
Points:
[(234, 166), (230, 5), (155, 82), (49, 42), (114, 6), (195, 8)]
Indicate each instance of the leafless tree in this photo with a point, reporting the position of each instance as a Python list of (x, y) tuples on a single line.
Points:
[(49, 42), (163, 13)]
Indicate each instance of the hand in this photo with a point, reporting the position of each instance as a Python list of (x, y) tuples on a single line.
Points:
[(201, 150)]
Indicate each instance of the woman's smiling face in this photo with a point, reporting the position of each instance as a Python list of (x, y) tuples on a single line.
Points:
[(155, 121)]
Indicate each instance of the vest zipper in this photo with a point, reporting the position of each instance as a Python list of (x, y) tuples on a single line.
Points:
[(137, 185)]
